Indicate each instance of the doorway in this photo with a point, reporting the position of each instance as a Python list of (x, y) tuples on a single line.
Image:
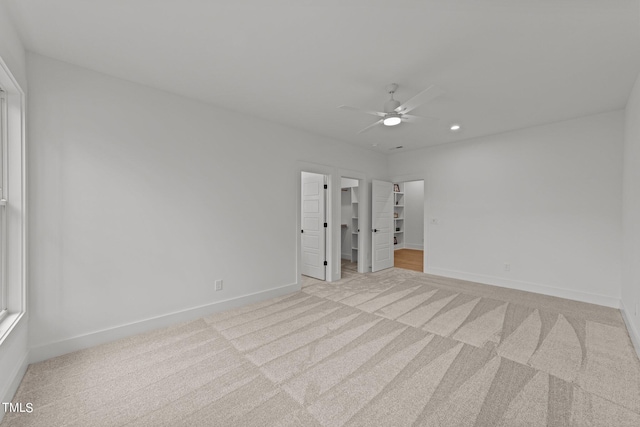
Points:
[(313, 225), (349, 226), (409, 225)]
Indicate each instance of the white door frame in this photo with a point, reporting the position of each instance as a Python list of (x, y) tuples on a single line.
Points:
[(363, 220), (419, 177), (329, 173)]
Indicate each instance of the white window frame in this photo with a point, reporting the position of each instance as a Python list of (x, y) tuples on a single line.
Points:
[(3, 204), (13, 214)]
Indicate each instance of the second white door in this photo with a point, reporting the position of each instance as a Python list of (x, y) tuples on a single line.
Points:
[(382, 225)]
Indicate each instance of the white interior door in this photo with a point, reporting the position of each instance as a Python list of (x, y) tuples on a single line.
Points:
[(313, 236), (382, 225)]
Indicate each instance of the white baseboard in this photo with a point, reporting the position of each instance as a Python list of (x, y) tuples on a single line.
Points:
[(346, 256), (631, 328), (57, 348), (414, 246), (17, 375), (529, 287)]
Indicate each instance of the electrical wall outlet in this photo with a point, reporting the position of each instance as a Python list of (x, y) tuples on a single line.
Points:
[(507, 267), (218, 285)]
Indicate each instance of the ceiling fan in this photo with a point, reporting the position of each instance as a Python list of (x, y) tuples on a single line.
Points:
[(395, 113)]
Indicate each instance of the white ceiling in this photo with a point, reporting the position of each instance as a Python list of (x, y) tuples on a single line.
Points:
[(504, 64)]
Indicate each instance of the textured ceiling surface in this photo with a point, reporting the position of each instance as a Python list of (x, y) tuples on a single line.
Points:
[(502, 64)]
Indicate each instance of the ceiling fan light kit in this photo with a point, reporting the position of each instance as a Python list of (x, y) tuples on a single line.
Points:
[(392, 119), (394, 112)]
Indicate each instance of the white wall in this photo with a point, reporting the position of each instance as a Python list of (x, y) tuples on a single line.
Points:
[(546, 200), (141, 199), (14, 349), (631, 216), (11, 49), (414, 215)]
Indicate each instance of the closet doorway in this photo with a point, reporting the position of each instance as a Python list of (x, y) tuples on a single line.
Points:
[(349, 226), (408, 222)]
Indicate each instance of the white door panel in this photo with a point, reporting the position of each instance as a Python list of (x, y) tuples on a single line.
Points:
[(313, 231), (382, 225)]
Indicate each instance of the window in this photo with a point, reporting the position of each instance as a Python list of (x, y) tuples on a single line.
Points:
[(12, 203), (3, 204)]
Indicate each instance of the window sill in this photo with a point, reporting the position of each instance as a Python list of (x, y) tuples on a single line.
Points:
[(7, 323)]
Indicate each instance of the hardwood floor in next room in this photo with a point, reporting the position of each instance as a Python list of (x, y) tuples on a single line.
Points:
[(409, 259)]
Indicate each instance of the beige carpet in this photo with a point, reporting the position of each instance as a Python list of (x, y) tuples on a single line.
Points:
[(394, 348)]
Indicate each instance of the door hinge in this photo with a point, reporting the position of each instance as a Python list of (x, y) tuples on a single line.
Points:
[(325, 225), (325, 186), (325, 263)]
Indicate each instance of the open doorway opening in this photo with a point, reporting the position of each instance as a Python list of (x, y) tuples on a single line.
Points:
[(313, 223), (349, 226), (408, 218)]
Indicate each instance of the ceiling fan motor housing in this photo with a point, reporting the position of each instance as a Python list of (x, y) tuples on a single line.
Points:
[(391, 105)]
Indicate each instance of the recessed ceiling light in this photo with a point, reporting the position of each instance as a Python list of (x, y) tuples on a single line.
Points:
[(455, 127)]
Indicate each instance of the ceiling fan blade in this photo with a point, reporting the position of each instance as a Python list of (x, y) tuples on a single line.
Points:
[(411, 118), (425, 96), (370, 126), (373, 113)]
